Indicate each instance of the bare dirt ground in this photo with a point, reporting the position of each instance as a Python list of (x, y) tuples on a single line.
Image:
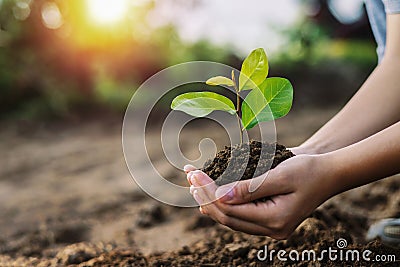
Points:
[(67, 198)]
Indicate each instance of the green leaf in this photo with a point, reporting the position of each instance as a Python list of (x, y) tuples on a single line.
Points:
[(272, 101), (200, 104), (220, 80), (254, 70)]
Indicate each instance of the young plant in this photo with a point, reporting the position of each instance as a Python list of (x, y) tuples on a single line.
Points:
[(268, 99)]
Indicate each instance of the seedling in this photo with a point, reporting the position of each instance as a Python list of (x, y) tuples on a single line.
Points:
[(268, 99)]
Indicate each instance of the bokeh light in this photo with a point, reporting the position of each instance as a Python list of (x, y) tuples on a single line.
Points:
[(21, 10), (106, 11), (51, 16)]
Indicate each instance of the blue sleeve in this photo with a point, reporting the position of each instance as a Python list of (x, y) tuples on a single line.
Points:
[(392, 6), (377, 10), (377, 19)]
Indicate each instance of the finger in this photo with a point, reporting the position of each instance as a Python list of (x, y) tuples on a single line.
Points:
[(190, 174), (204, 185), (269, 184), (205, 189), (191, 189), (198, 192), (188, 168), (203, 201), (234, 223), (260, 212), (199, 199), (202, 211)]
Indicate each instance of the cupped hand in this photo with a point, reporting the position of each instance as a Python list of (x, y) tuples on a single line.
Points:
[(294, 189)]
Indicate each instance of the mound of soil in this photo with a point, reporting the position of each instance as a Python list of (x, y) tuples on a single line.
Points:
[(245, 161), (223, 247)]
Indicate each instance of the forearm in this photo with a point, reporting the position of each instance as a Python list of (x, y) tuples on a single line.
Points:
[(371, 159), (373, 108)]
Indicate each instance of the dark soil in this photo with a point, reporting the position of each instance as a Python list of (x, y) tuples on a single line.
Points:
[(223, 247), (242, 162), (67, 199), (151, 216)]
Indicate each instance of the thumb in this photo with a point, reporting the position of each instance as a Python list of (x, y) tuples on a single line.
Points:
[(240, 192)]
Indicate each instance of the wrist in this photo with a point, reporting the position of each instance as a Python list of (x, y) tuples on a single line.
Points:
[(308, 149), (319, 145), (329, 174)]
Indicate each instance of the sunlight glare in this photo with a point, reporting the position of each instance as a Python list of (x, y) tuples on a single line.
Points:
[(107, 11)]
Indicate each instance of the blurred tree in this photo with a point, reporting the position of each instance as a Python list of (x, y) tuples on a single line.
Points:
[(54, 58), (321, 37), (36, 61)]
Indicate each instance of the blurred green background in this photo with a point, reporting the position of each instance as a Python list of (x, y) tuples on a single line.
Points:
[(69, 59)]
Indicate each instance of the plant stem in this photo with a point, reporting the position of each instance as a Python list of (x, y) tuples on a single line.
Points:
[(237, 107), (240, 130)]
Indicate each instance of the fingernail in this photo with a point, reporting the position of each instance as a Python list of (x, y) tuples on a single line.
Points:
[(224, 193), (187, 168), (197, 197), (191, 189)]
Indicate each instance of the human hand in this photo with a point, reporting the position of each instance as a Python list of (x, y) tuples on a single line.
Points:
[(295, 188), (303, 150)]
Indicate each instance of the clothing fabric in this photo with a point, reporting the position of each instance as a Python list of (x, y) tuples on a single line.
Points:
[(377, 10)]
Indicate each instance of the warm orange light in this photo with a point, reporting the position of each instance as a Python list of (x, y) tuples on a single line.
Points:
[(107, 11)]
